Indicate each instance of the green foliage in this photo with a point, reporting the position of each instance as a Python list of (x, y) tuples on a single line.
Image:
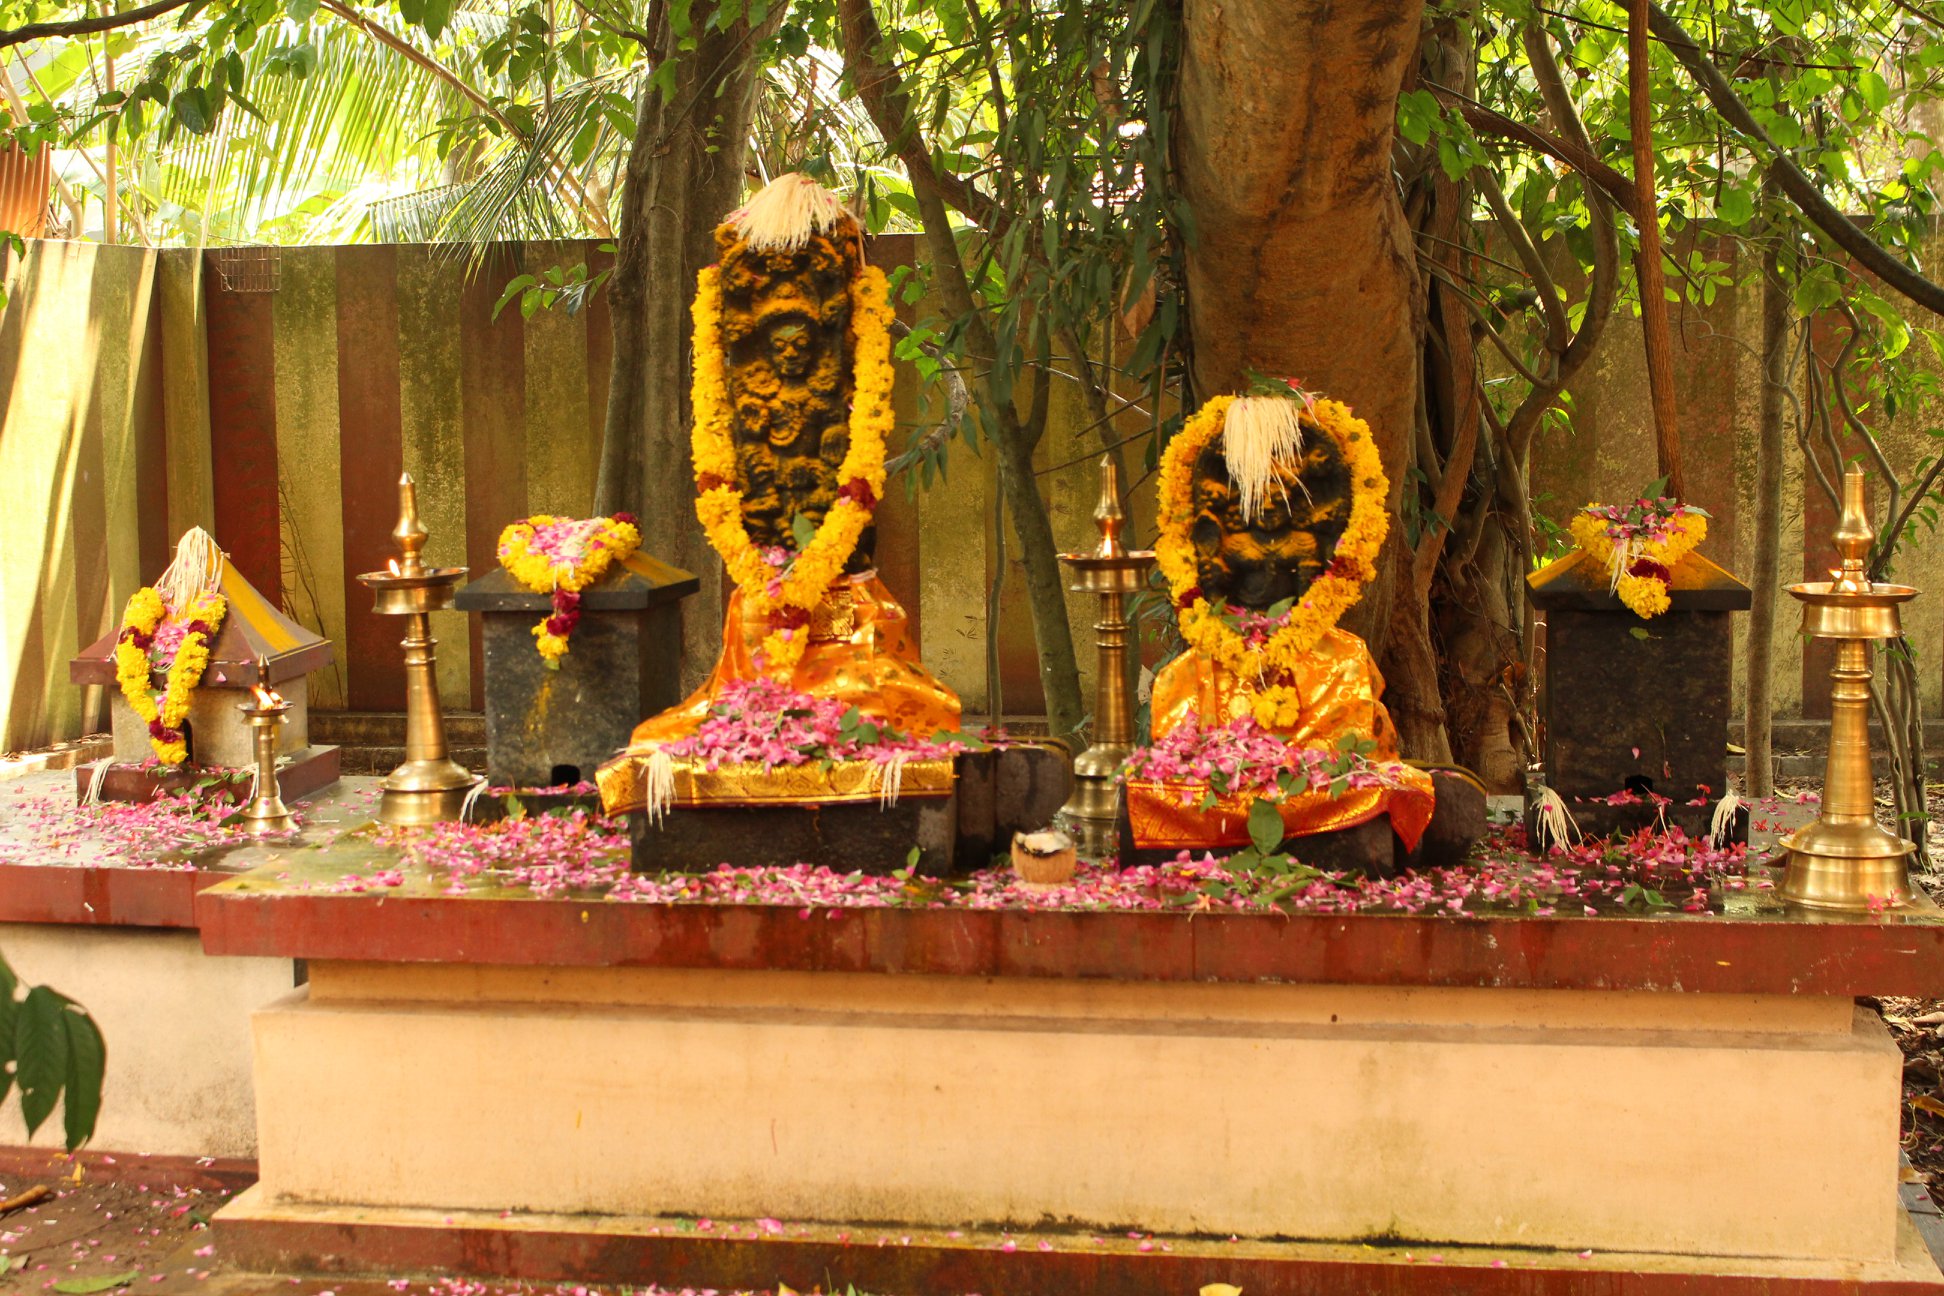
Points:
[(51, 1048)]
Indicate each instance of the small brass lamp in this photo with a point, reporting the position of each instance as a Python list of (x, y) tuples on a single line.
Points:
[(265, 711), (1845, 860), (429, 787), (1113, 572)]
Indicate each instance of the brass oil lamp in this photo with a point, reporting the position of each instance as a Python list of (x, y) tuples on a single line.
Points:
[(266, 709), (1845, 860), (1113, 572), (429, 787)]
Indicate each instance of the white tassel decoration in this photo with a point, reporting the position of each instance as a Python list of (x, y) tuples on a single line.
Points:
[(788, 210), (96, 779), (1556, 823), (657, 785), (472, 799), (891, 776), (197, 570), (1722, 827), (1261, 439)]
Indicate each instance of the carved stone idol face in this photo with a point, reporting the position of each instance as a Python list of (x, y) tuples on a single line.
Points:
[(792, 348), (1291, 541)]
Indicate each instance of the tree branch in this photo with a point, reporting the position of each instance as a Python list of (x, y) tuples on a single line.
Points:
[(89, 26), (1616, 186), (1802, 191)]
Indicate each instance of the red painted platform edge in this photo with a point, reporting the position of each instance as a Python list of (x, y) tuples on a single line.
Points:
[(1742, 955), (207, 1174), (102, 896), (924, 1269)]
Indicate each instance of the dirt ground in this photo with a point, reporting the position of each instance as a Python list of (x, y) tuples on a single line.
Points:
[(97, 1230)]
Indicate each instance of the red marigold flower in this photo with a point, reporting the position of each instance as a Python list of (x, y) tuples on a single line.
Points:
[(708, 481), (1188, 596), (200, 627), (860, 490), (790, 618), (630, 519), (566, 601), (1648, 567)]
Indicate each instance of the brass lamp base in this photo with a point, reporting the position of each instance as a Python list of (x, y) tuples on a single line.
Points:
[(419, 793), (1850, 868), (265, 815), (1090, 814)]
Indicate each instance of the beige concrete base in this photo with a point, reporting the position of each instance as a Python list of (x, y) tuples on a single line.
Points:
[(177, 1027), (1690, 1124)]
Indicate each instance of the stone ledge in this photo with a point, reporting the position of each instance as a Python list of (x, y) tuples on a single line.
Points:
[(1757, 947)]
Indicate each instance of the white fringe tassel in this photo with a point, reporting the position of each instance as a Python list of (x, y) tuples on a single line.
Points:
[(891, 774), (1556, 822), (1722, 826), (657, 785), (96, 779), (197, 570), (1625, 554), (1261, 438), (472, 799), (786, 213)]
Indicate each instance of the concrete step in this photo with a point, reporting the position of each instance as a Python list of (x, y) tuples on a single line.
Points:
[(387, 728)]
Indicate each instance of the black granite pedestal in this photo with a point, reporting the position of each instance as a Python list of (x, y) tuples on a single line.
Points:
[(1635, 709), (547, 727)]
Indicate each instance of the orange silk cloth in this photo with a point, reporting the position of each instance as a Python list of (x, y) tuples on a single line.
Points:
[(1340, 686), (860, 653)]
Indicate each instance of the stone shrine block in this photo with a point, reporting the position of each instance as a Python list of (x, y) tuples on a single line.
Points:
[(1634, 705), (547, 727), (218, 736)]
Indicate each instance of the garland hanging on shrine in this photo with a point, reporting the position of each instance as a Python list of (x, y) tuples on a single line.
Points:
[(1640, 544), (780, 586), (1268, 647), (169, 627), (562, 557)]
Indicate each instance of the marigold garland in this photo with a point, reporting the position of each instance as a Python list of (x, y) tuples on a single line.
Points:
[(785, 594), (142, 624), (562, 557), (1276, 659), (1640, 545)]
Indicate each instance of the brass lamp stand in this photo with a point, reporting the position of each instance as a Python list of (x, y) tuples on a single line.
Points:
[(1845, 860), (266, 812), (1112, 572), (429, 787)]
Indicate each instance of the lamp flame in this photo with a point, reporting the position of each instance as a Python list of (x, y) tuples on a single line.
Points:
[(393, 564), (266, 697)]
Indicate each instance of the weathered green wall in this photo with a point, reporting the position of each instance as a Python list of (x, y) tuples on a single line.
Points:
[(144, 396)]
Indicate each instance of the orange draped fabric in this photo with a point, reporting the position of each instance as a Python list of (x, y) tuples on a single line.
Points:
[(1341, 688), (860, 653)]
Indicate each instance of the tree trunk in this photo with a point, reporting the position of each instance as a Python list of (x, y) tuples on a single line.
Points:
[(685, 171), (1765, 575), (1301, 265)]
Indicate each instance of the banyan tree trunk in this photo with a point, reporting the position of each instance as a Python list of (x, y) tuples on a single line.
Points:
[(1301, 261)]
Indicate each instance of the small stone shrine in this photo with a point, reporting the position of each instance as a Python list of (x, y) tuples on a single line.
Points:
[(819, 737), (552, 726), (1271, 514), (1635, 709), (216, 736)]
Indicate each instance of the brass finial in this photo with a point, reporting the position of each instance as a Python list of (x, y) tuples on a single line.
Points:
[(1853, 535), (1107, 513), (410, 532)]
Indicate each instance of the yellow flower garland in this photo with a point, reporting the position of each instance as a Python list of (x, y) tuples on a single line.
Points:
[(1644, 592), (1353, 564), (143, 617), (545, 574), (718, 503)]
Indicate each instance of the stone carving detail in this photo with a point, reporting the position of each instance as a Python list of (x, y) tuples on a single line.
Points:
[(786, 329), (1291, 542)]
